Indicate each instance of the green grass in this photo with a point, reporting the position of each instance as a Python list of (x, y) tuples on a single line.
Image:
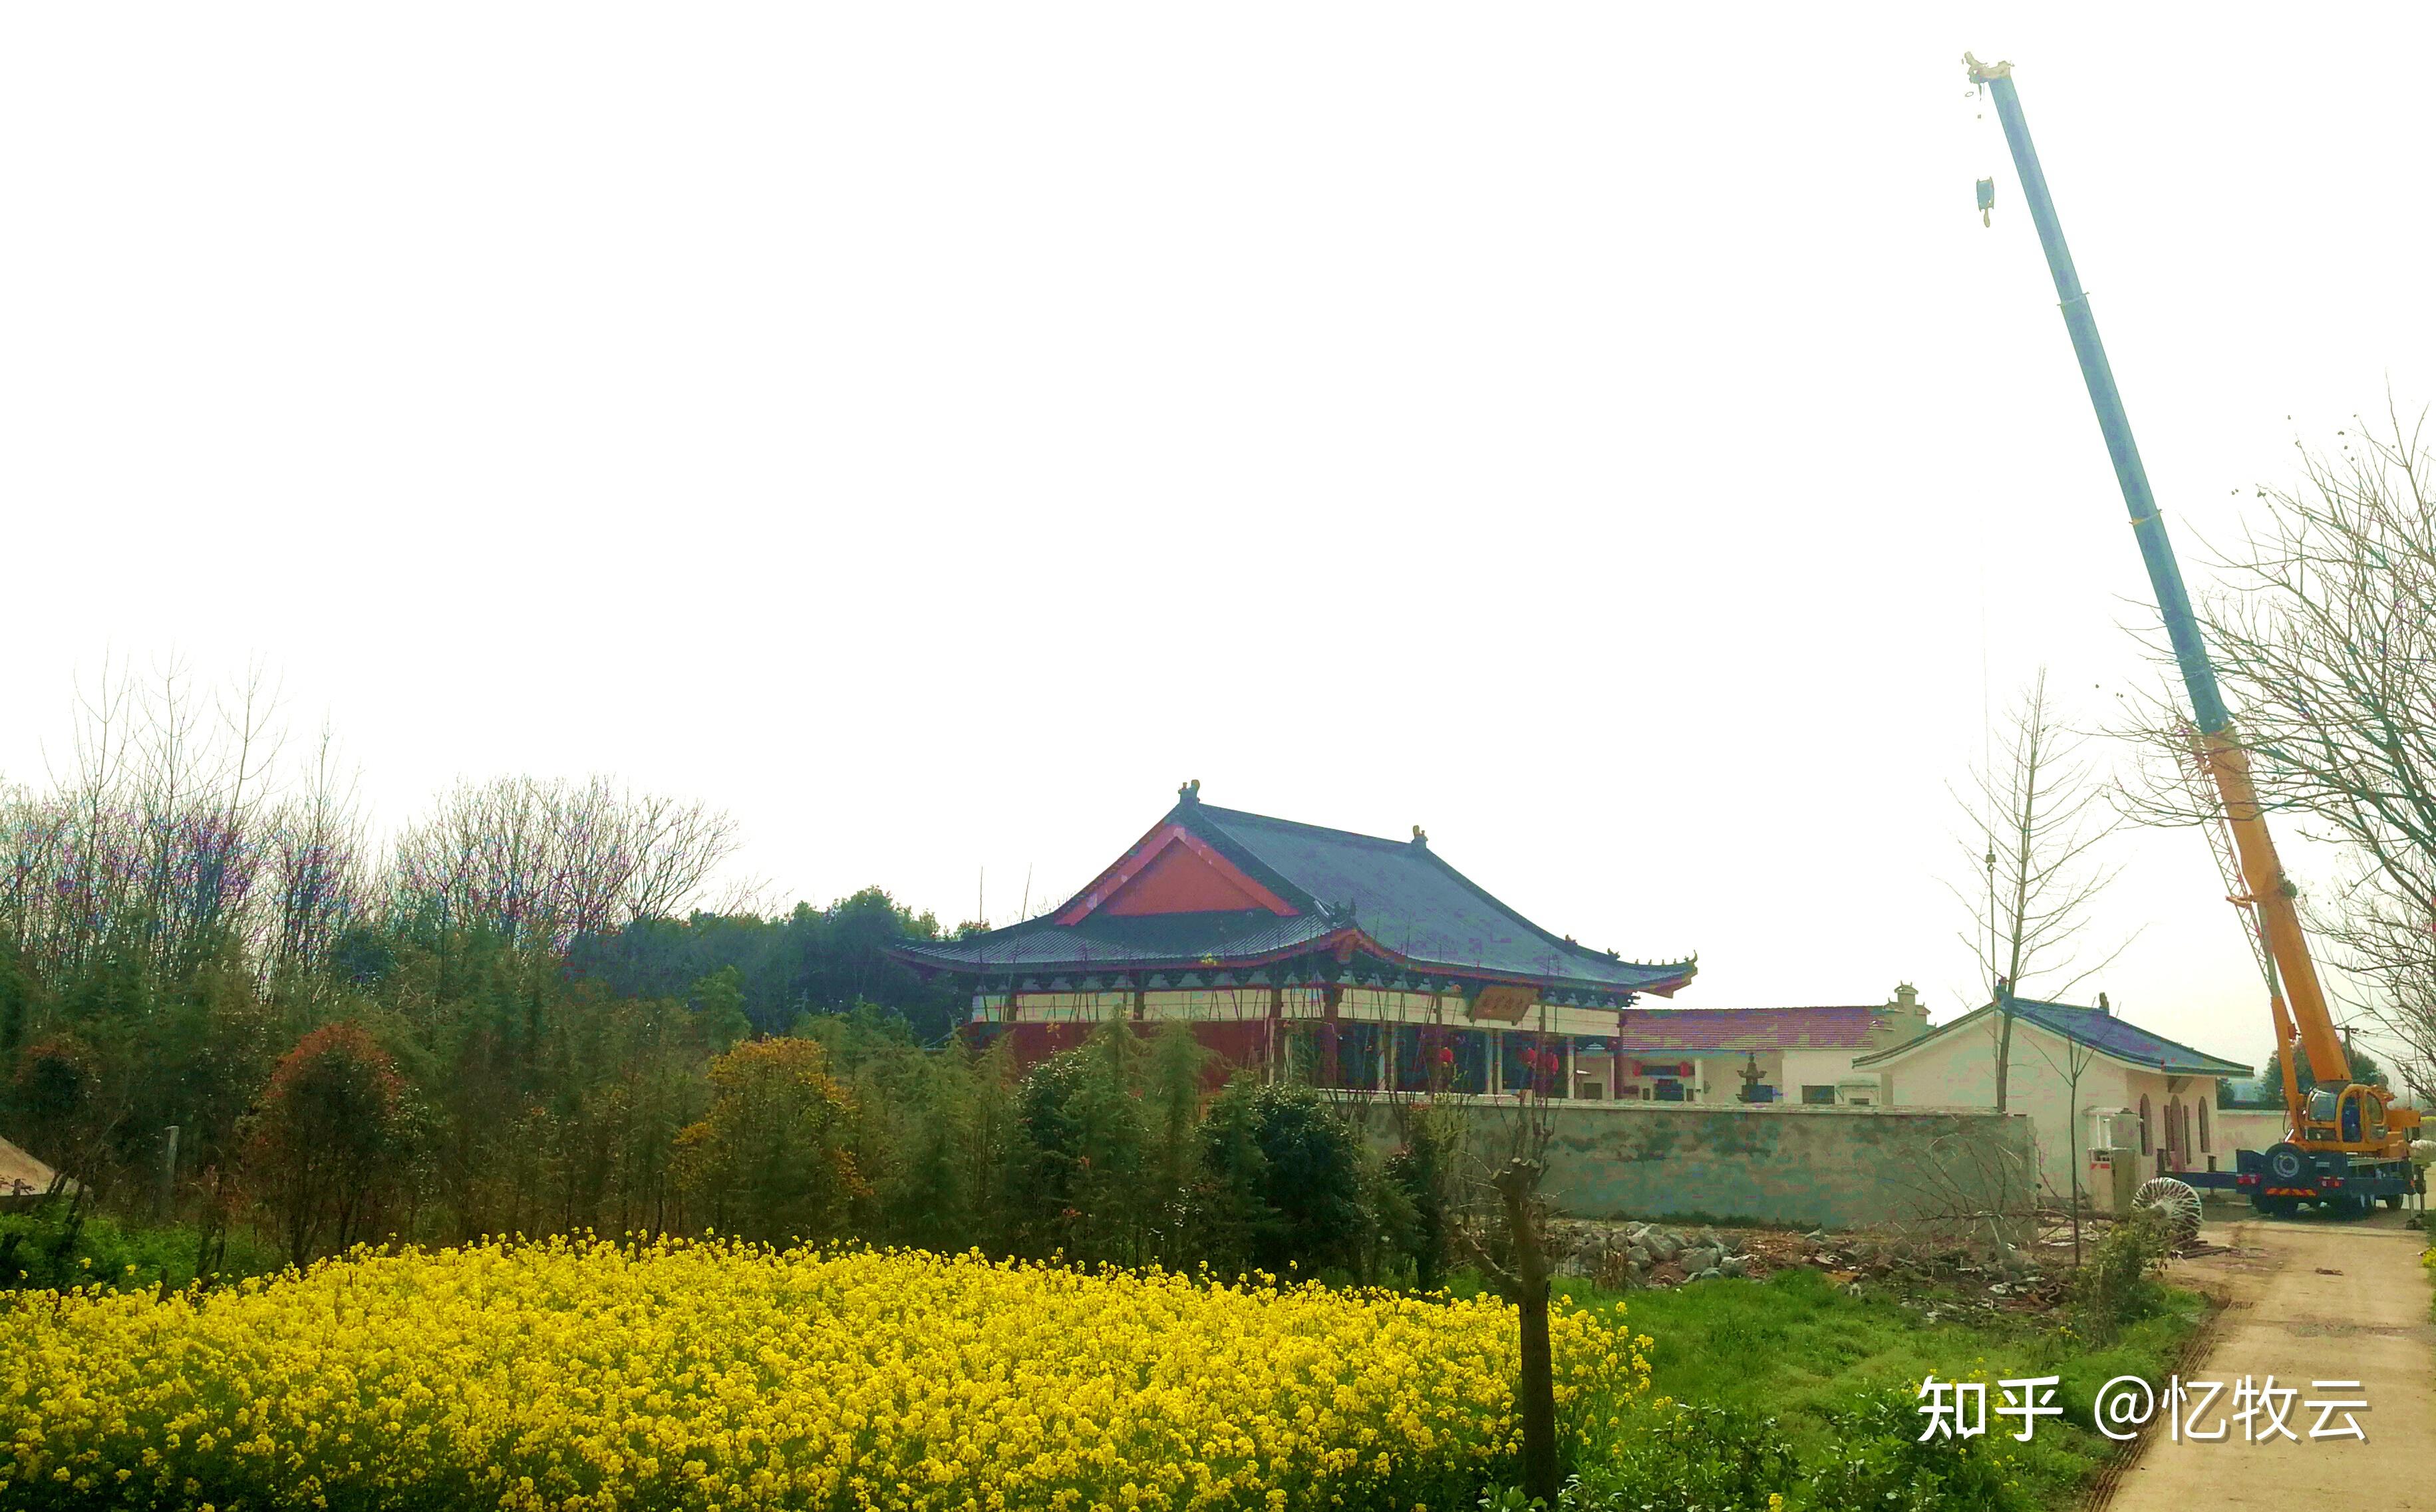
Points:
[(1796, 1348), (119, 1255), (1794, 1343)]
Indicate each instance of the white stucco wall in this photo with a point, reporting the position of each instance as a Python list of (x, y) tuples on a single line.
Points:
[(2174, 1102), (2245, 1128), (1815, 1067)]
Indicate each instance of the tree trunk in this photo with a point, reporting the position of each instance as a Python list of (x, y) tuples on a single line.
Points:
[(2004, 1053), (1536, 1392), (2072, 1153)]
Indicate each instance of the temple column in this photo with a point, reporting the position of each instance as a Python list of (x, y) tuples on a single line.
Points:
[(1276, 1011), (1331, 1069)]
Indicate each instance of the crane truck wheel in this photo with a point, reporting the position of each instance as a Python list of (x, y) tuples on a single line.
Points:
[(2287, 1164)]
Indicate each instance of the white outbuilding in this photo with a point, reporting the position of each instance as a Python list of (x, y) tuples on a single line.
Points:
[(2086, 1077)]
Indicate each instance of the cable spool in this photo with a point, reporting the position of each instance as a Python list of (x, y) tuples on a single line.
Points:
[(2175, 1201)]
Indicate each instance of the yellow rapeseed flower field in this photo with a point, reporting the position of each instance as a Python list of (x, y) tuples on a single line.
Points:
[(584, 1374)]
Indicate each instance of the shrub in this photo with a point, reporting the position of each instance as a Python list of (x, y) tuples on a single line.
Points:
[(326, 1144), (1081, 1151), (772, 1157), (1882, 1465), (1696, 1459), (1283, 1180), (99, 1250), (1423, 1177), (2119, 1286), (54, 1082)]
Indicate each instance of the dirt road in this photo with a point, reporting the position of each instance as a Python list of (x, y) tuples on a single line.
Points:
[(2310, 1300)]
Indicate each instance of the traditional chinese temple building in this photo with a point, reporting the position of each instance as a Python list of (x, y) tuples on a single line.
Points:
[(1344, 959)]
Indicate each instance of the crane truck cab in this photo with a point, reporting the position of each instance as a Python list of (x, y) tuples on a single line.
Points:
[(2358, 1119)]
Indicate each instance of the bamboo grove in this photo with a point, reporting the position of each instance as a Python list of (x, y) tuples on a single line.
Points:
[(513, 1014)]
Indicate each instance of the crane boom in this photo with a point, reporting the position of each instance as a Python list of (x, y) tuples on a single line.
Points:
[(2270, 894)]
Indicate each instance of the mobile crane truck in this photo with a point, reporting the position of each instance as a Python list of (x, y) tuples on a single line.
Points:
[(2346, 1145)]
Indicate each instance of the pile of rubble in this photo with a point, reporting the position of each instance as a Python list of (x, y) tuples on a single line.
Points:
[(1939, 1280), (1648, 1253)]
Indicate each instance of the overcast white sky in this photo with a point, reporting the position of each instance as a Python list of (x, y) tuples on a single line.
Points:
[(1598, 434)]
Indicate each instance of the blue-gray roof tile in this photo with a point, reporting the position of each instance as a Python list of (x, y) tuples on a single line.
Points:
[(2096, 1027), (1397, 894)]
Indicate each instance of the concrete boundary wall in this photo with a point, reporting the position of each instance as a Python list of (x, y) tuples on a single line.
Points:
[(2244, 1128), (1804, 1167)]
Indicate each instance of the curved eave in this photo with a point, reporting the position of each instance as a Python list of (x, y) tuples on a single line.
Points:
[(1086, 963), (1671, 977)]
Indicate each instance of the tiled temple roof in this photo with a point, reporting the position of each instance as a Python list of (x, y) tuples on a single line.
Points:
[(1754, 1031), (1328, 890)]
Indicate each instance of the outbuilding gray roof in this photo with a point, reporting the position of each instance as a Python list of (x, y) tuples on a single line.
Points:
[(2096, 1028)]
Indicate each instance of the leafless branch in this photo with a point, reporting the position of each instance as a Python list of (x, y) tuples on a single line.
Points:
[(542, 862), (2324, 643)]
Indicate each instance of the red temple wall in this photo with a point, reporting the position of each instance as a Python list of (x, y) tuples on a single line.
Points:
[(1233, 1046)]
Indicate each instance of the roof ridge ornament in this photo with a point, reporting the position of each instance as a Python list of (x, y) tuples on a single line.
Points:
[(1189, 792), (1420, 837)]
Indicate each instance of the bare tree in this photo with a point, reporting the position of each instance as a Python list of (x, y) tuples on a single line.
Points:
[(2038, 813), (317, 861), (2324, 641), (1514, 1258), (200, 786), (178, 830), (1969, 1193), (542, 862), (2070, 1060), (148, 847), (89, 863)]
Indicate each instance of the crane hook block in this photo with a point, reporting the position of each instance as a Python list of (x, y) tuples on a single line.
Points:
[(1987, 199)]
